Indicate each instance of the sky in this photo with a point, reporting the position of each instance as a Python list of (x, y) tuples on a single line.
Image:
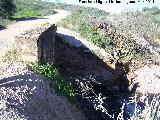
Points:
[(115, 7)]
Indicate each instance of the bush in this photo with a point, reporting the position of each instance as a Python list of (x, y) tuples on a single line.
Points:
[(106, 43), (82, 9), (7, 8)]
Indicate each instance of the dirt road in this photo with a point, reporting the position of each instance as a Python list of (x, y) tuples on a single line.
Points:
[(7, 36)]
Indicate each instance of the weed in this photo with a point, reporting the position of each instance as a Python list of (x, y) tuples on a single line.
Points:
[(89, 32), (60, 85)]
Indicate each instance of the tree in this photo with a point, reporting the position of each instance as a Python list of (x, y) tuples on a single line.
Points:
[(7, 8)]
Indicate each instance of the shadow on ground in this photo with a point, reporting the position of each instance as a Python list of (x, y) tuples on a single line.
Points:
[(26, 19), (25, 96), (2, 27), (30, 96)]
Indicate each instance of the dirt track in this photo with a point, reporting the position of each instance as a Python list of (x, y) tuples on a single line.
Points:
[(7, 36)]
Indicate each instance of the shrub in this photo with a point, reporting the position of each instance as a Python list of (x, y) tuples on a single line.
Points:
[(25, 13), (90, 33), (79, 23), (7, 8), (106, 43)]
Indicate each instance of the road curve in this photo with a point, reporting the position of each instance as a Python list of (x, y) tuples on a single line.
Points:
[(7, 36)]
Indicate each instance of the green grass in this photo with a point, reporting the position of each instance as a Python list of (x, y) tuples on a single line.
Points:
[(6, 22), (28, 9), (89, 32), (77, 22), (26, 13), (33, 8), (61, 86)]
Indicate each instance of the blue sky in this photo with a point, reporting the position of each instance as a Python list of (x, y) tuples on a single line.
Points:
[(116, 7)]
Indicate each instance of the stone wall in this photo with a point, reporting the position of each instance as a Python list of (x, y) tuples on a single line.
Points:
[(46, 45)]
